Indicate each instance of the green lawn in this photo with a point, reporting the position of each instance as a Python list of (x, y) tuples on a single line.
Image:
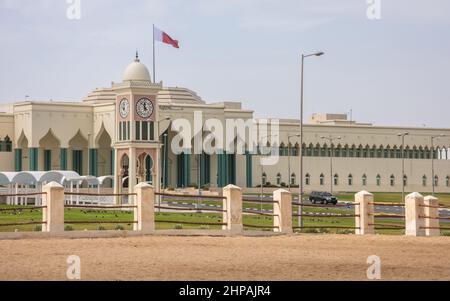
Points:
[(124, 220)]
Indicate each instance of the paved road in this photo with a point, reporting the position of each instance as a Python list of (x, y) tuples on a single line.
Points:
[(256, 207)]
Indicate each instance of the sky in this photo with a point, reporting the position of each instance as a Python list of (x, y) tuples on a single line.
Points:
[(394, 70)]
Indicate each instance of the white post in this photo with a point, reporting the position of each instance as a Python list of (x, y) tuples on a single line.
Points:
[(53, 214), (232, 204), (282, 210), (431, 216), (144, 214), (413, 213), (364, 211)]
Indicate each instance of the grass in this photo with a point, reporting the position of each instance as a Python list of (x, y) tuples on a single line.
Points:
[(122, 220)]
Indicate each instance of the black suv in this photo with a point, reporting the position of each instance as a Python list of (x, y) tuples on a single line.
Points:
[(323, 198)]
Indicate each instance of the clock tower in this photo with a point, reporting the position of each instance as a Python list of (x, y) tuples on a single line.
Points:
[(137, 145)]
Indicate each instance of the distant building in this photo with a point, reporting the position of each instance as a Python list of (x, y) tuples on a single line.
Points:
[(126, 123)]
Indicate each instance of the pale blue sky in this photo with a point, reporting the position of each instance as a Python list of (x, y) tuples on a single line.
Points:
[(395, 71)]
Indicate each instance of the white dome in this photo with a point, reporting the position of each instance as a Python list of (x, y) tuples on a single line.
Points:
[(136, 71)]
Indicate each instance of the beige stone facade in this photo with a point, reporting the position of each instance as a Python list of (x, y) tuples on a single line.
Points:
[(87, 137)]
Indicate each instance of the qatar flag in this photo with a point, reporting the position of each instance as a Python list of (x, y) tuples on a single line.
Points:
[(163, 37)]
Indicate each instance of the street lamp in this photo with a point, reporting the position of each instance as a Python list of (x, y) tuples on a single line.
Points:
[(403, 135), (289, 159), (432, 158), (331, 139), (300, 220), (163, 163)]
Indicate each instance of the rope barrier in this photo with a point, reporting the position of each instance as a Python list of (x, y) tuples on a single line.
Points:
[(98, 207), (326, 227), (436, 228), (388, 225), (23, 194), (191, 209), (388, 204), (22, 224), (99, 194), (191, 223), (100, 222), (387, 215), (191, 196), (22, 209), (328, 215), (259, 226), (320, 206), (259, 213), (259, 201)]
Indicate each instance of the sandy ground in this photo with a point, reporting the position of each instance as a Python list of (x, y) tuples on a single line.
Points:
[(304, 257)]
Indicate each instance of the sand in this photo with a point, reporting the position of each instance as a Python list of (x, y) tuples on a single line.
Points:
[(300, 257)]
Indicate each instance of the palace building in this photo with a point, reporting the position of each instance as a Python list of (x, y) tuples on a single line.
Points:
[(130, 122)]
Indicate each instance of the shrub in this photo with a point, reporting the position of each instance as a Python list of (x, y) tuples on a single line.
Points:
[(324, 230), (178, 226), (283, 184), (101, 228), (446, 234), (204, 227), (68, 228), (38, 228), (119, 228), (345, 231)]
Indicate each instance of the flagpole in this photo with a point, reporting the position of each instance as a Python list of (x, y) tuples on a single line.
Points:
[(154, 67)]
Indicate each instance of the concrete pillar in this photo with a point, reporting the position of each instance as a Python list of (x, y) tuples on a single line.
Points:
[(53, 199), (282, 209), (233, 206), (364, 209), (132, 174), (144, 214), (413, 211), (431, 211)]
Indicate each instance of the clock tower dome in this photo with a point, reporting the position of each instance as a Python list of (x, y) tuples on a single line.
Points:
[(137, 145)]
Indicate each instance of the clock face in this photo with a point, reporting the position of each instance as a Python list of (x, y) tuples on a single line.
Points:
[(144, 108), (124, 108)]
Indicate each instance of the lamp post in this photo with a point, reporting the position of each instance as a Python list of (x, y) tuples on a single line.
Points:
[(403, 135), (289, 159), (331, 139), (432, 159), (163, 173), (262, 172), (300, 196)]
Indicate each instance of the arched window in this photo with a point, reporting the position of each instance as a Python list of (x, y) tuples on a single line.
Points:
[(345, 151), (351, 151), (359, 151), (307, 179), (378, 180), (293, 179), (373, 151), (336, 180), (436, 180), (282, 150), (350, 180), (424, 180), (387, 151), (364, 180), (317, 150), (6, 145), (337, 151), (322, 179), (366, 152), (392, 180), (278, 179), (421, 153), (405, 180), (310, 150), (415, 153), (447, 181), (324, 151), (380, 152), (427, 153), (264, 179), (296, 150)]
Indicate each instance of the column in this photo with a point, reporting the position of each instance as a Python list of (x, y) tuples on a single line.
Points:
[(222, 168), (282, 210), (93, 159), (431, 216), (63, 159), (33, 158), (233, 206), (144, 214), (364, 211), (53, 214), (131, 173), (413, 212), (18, 159), (249, 169)]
